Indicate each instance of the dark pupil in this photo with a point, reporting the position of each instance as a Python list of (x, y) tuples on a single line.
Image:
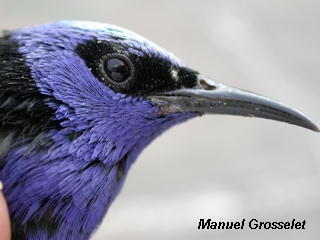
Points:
[(116, 69)]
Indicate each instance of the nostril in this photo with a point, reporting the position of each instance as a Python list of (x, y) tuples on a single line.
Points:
[(206, 86)]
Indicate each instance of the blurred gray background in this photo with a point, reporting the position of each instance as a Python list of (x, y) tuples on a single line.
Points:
[(223, 167)]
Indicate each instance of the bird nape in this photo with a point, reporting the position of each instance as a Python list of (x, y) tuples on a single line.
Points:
[(78, 103)]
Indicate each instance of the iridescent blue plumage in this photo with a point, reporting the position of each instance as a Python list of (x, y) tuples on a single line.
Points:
[(63, 189), (78, 102)]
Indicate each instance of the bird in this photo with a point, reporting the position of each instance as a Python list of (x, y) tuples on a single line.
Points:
[(79, 101)]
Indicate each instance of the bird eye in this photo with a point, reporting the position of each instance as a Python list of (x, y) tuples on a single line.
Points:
[(117, 69)]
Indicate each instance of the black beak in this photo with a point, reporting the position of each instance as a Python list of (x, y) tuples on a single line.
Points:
[(210, 97)]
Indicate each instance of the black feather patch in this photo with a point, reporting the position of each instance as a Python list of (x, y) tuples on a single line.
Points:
[(152, 74), (23, 112)]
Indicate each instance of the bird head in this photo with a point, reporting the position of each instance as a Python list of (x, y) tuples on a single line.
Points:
[(105, 93), (114, 84)]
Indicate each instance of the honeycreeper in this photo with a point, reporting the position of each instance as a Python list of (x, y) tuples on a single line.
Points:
[(78, 102)]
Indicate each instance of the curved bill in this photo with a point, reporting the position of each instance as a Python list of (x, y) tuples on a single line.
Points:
[(210, 97)]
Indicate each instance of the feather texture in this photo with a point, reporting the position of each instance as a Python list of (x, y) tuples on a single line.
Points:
[(68, 139)]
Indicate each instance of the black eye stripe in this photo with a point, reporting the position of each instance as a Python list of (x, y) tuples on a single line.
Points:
[(149, 73)]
